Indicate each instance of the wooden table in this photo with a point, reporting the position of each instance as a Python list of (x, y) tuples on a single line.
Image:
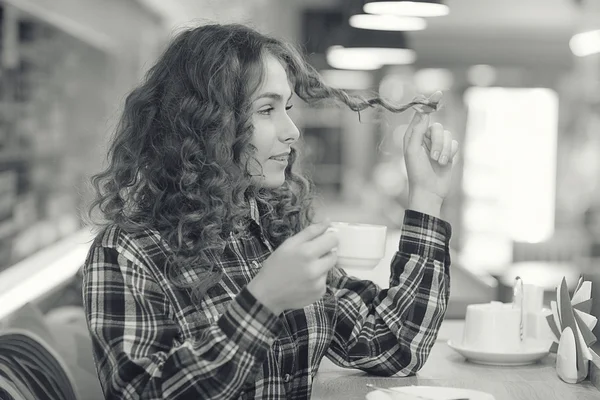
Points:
[(445, 367)]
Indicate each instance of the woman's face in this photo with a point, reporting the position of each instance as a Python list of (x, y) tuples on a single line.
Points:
[(274, 131)]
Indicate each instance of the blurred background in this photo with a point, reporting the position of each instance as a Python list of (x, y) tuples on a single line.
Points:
[(521, 82)]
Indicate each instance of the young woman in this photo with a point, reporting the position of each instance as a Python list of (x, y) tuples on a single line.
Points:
[(208, 278)]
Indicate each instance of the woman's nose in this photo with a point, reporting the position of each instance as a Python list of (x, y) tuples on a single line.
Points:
[(289, 131)]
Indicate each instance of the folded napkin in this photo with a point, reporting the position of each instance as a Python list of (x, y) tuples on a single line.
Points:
[(571, 324)]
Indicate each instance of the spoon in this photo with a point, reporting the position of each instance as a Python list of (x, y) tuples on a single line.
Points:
[(408, 396)]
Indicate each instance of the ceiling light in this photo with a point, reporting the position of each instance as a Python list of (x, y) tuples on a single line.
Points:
[(415, 8), (585, 43), (387, 22), (367, 58), (368, 49)]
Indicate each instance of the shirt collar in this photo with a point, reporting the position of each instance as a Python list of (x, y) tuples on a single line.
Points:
[(254, 211)]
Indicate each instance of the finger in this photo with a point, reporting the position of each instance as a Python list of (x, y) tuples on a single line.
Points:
[(414, 120), (415, 131), (454, 149), (436, 97), (326, 263), (419, 103), (427, 144), (419, 99), (420, 122), (447, 149), (436, 132), (309, 233), (321, 245), (428, 104)]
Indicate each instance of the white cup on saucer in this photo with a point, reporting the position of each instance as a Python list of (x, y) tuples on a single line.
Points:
[(493, 327), (361, 246)]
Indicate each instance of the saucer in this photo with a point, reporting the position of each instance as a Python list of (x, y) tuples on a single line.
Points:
[(431, 392), (530, 352)]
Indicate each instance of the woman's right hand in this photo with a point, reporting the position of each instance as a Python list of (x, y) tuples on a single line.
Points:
[(295, 274)]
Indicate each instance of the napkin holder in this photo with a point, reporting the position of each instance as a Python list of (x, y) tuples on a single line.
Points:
[(571, 324)]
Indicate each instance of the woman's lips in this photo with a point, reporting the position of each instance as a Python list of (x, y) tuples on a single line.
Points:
[(281, 158)]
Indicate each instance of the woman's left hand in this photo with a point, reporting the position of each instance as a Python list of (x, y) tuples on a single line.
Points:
[(429, 154)]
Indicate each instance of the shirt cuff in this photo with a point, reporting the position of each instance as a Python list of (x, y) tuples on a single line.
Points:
[(251, 325), (425, 235)]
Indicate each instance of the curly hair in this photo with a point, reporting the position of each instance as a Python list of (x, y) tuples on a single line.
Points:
[(175, 163)]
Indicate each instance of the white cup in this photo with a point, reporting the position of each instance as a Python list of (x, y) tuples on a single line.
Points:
[(493, 327), (361, 246)]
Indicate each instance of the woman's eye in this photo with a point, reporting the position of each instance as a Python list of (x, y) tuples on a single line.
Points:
[(266, 111)]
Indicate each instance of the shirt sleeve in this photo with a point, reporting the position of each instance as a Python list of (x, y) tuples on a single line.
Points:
[(138, 349), (391, 331)]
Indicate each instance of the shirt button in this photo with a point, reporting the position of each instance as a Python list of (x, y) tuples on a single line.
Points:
[(287, 378)]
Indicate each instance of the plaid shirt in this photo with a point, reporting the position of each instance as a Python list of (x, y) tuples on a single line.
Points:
[(150, 341)]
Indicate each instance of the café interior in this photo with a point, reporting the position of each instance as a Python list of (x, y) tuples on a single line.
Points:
[(521, 94)]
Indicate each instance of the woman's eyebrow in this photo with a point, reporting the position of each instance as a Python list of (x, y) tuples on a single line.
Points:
[(273, 95)]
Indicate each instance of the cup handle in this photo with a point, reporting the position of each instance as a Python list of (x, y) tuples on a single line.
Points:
[(518, 296)]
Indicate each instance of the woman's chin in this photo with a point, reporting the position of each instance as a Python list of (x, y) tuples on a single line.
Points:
[(274, 183), (270, 181)]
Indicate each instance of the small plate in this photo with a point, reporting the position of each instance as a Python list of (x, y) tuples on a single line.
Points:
[(531, 352), (433, 393)]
